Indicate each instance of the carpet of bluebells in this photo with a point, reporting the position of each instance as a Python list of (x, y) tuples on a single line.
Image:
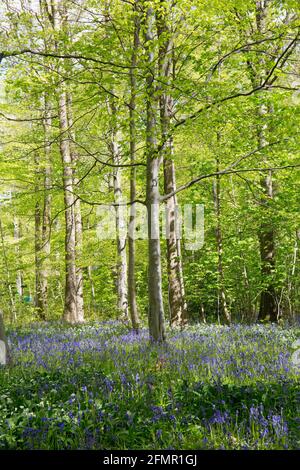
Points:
[(101, 386)]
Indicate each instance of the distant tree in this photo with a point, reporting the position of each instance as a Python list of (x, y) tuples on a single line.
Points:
[(5, 355)]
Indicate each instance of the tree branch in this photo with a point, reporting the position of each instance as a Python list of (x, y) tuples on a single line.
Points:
[(224, 172), (56, 55)]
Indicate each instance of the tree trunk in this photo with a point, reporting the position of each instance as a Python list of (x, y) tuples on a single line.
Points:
[(58, 12), (92, 285), (291, 288), (219, 240), (70, 308), (115, 150), (246, 300), (46, 217), (42, 219), (13, 312), (132, 302), (268, 303), (43, 179), (266, 235), (77, 216), (5, 355), (202, 316), (121, 238), (90, 278), (177, 305), (156, 308), (38, 300), (19, 277)]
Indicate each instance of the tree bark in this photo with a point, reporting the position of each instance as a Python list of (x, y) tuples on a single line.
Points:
[(42, 220), (266, 235), (132, 301), (46, 217), (70, 308), (291, 287), (38, 300), (19, 277), (92, 285), (5, 354), (156, 308), (120, 218), (268, 304), (177, 305), (89, 272), (246, 307), (115, 150), (13, 312), (219, 241), (70, 315), (77, 216)]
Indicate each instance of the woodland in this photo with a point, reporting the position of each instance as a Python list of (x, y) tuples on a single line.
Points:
[(149, 224)]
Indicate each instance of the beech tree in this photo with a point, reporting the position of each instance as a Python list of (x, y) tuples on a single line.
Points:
[(150, 103), (5, 356), (177, 304)]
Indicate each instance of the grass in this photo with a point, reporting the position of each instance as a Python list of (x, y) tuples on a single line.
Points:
[(100, 386)]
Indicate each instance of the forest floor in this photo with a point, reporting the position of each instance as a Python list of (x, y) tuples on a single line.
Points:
[(100, 386)]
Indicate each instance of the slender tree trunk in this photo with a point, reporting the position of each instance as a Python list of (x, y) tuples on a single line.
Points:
[(77, 217), (58, 15), (90, 279), (246, 301), (266, 235), (219, 240), (296, 250), (291, 279), (156, 308), (48, 12), (46, 217), (132, 302), (202, 316), (177, 305), (13, 312), (42, 220), (268, 303), (121, 238), (38, 300), (19, 277), (250, 313), (70, 308), (5, 355)]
